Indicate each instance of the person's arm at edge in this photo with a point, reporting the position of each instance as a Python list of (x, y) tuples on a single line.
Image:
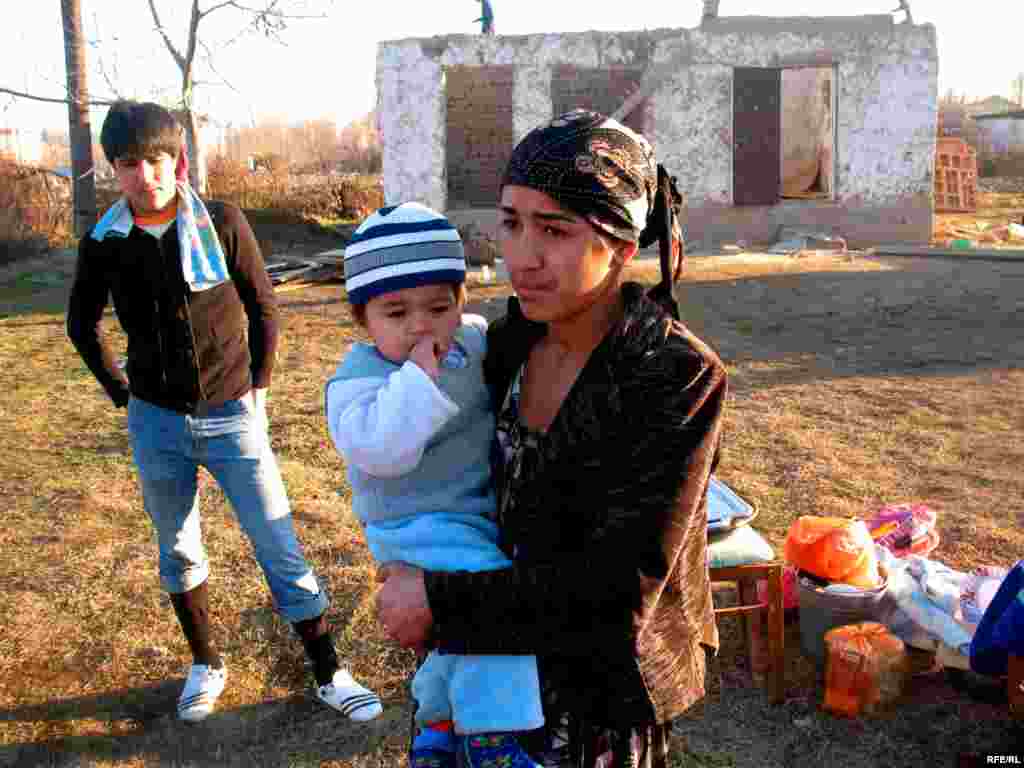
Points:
[(86, 303)]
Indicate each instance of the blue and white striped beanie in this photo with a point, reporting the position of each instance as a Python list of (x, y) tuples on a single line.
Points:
[(402, 246)]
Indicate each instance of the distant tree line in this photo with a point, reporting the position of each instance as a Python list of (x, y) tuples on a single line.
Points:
[(310, 146)]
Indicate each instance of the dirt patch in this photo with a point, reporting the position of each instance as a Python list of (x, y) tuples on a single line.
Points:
[(895, 315)]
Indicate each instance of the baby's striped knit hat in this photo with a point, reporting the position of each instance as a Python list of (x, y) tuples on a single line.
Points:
[(402, 246)]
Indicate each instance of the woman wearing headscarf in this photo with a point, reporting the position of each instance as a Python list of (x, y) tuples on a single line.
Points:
[(609, 415)]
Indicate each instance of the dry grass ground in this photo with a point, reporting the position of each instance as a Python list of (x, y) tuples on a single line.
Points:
[(854, 383)]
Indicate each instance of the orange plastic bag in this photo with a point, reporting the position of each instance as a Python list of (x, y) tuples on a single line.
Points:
[(833, 548), (865, 668)]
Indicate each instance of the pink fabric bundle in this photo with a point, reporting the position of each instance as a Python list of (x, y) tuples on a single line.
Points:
[(905, 529), (790, 591)]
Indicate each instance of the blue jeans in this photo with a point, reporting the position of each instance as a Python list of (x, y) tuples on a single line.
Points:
[(231, 441)]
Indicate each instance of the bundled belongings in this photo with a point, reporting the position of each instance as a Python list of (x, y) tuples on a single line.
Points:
[(835, 549), (923, 605), (838, 578), (905, 529), (825, 606), (865, 669), (978, 590), (933, 607)]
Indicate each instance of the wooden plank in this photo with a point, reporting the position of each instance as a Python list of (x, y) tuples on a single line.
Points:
[(742, 608), (776, 637), (733, 572)]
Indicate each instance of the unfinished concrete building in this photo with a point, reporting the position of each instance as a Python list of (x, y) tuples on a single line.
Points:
[(826, 124)]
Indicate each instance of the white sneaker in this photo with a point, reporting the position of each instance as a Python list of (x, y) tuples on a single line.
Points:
[(202, 689), (349, 697)]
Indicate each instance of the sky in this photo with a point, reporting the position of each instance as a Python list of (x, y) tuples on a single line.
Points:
[(326, 65)]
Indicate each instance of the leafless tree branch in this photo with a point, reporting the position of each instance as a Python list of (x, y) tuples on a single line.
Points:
[(48, 99), (270, 10), (217, 7), (111, 78), (208, 58), (179, 60), (190, 55), (111, 84), (263, 16), (240, 35)]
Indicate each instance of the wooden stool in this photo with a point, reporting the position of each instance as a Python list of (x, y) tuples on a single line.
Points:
[(763, 622)]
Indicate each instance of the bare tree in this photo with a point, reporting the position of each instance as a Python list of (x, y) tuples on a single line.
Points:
[(56, 149), (360, 145), (267, 18), (84, 183), (260, 16), (318, 144)]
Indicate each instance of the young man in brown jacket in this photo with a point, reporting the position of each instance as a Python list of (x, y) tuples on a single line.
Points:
[(192, 293)]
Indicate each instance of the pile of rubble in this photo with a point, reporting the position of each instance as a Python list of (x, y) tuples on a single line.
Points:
[(322, 268), (970, 235), (1001, 184)]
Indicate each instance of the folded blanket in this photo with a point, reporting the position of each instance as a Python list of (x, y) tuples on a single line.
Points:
[(924, 595)]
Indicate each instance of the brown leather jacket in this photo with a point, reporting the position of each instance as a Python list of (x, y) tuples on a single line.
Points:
[(185, 349), (608, 533)]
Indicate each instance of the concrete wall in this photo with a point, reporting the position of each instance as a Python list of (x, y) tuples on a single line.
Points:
[(886, 111)]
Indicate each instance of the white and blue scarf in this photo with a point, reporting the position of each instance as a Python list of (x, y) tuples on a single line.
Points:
[(202, 258)]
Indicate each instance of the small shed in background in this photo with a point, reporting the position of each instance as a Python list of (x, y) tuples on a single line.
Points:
[(1001, 143)]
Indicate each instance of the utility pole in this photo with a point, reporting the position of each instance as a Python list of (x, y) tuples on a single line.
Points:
[(80, 131)]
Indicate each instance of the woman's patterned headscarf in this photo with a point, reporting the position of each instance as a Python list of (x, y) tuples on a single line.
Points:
[(605, 172)]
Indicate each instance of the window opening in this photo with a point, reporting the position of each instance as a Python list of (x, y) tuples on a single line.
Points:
[(808, 140)]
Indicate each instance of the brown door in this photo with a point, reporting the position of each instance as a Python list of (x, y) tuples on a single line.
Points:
[(757, 133)]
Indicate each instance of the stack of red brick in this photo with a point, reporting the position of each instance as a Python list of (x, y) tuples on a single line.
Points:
[(956, 176)]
